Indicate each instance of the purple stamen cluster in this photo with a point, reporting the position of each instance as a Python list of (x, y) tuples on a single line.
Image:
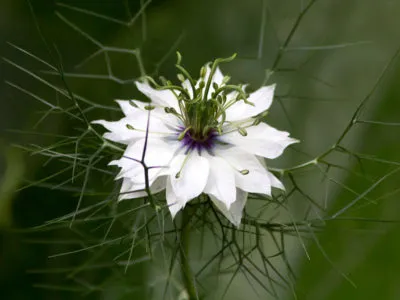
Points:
[(192, 142)]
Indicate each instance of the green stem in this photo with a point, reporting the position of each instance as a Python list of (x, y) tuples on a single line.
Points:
[(187, 274)]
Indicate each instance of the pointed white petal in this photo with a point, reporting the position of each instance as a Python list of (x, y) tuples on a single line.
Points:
[(137, 109), (158, 155), (193, 174), (186, 85), (133, 127), (126, 187), (218, 76), (257, 180), (221, 181), (158, 185), (159, 113), (119, 131), (129, 190), (262, 99), (156, 125), (165, 98), (127, 108), (262, 140), (114, 163), (275, 182), (174, 204), (142, 105), (235, 212)]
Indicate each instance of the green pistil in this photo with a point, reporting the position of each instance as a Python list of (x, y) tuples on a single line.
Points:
[(187, 75), (212, 72), (201, 113), (183, 133)]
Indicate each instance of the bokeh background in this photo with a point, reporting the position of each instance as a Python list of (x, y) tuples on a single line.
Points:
[(333, 61)]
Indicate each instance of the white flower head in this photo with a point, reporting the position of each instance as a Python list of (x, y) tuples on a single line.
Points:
[(203, 136)]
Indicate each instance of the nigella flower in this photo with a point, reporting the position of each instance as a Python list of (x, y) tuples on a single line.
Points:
[(202, 137)]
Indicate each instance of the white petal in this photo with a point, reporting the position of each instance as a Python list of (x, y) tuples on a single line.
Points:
[(262, 140), (174, 204), (156, 125), (235, 212), (142, 105), (186, 85), (127, 108), (158, 155), (258, 178), (131, 107), (193, 174), (217, 78), (129, 190), (159, 113), (164, 98), (126, 187), (262, 99), (158, 185), (275, 182), (221, 181), (134, 126), (119, 131)]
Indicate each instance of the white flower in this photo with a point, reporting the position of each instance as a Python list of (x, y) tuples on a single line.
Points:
[(215, 146)]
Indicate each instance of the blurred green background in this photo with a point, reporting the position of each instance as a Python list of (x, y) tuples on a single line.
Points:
[(334, 59)]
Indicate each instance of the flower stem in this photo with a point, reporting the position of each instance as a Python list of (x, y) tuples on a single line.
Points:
[(187, 274)]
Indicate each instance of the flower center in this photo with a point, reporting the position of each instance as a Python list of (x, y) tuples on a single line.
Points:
[(197, 141)]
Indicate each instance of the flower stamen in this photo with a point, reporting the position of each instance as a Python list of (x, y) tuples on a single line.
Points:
[(178, 174), (244, 172)]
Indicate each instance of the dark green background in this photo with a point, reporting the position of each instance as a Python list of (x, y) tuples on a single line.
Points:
[(323, 79)]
